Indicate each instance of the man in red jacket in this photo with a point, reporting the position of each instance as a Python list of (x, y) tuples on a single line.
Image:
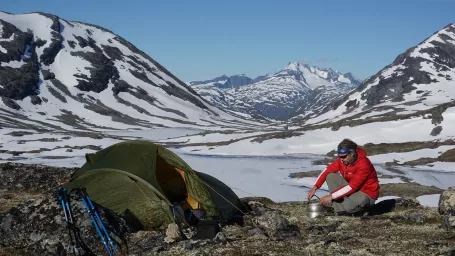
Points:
[(355, 187)]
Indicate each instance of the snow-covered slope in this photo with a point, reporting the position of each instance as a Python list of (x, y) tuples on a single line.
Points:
[(61, 74), (297, 89), (419, 79)]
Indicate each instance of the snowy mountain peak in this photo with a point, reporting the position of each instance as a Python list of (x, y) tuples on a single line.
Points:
[(420, 78), (278, 95), (328, 74), (61, 74)]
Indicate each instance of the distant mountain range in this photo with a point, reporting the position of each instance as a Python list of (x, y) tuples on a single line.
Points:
[(298, 88), (57, 74)]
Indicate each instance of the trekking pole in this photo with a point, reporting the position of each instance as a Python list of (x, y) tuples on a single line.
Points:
[(64, 200), (98, 222), (101, 222)]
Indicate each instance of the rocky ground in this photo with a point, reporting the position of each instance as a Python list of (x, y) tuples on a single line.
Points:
[(32, 223)]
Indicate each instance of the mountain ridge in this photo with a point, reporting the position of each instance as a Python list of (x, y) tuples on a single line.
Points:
[(76, 74), (280, 95)]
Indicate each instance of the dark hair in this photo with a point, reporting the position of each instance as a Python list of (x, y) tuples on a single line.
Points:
[(347, 144)]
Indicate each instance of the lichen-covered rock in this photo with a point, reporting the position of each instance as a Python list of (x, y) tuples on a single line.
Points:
[(446, 203), (449, 222), (14, 177), (38, 227), (172, 233), (446, 207), (272, 221)]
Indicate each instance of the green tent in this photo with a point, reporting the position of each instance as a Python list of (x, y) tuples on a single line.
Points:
[(140, 181)]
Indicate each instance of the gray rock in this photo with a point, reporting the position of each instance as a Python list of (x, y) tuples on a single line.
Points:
[(6, 222), (48, 75), (322, 229), (407, 202), (446, 207), (15, 176), (35, 100), (172, 233), (449, 222), (256, 231), (33, 229), (446, 204), (220, 237), (272, 221), (436, 131)]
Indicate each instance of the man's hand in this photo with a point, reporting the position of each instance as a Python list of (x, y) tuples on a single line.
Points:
[(311, 193), (326, 200)]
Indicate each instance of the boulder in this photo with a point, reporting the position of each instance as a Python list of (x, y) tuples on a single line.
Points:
[(172, 233), (446, 203), (446, 207), (272, 221)]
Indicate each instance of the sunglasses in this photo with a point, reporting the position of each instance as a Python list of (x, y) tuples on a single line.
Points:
[(343, 157)]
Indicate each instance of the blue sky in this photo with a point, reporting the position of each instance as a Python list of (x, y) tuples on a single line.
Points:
[(202, 39)]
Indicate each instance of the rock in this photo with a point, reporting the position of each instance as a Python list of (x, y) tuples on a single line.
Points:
[(220, 237), (446, 207), (50, 52), (19, 133), (449, 222), (35, 100), (436, 131), (272, 221), (6, 223), (446, 203), (38, 227), (144, 240), (186, 244), (48, 75), (448, 156), (15, 176), (290, 232), (102, 71), (407, 202), (322, 229), (257, 231), (10, 103), (257, 208), (40, 42), (172, 233)]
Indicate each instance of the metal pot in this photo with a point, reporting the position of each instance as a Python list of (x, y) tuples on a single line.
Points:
[(314, 210)]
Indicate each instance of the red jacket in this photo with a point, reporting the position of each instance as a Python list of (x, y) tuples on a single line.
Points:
[(360, 175)]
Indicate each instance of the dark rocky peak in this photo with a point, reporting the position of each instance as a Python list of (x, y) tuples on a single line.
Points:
[(236, 81), (222, 78), (354, 80), (22, 81), (261, 78)]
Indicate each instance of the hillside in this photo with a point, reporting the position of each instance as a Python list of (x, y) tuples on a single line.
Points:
[(419, 79), (59, 74)]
